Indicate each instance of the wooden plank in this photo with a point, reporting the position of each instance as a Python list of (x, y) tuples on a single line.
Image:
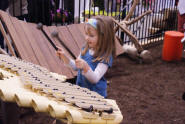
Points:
[(49, 54), (11, 30), (55, 41), (66, 37), (81, 28), (31, 50), (32, 41), (41, 42), (55, 61), (64, 69), (78, 37), (7, 39), (21, 32), (54, 28), (60, 65)]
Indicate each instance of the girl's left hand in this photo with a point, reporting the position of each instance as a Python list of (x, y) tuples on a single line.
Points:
[(81, 64)]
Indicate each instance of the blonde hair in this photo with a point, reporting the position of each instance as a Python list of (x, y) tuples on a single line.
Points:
[(106, 39)]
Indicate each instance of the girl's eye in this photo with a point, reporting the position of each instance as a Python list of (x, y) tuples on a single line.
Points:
[(91, 35)]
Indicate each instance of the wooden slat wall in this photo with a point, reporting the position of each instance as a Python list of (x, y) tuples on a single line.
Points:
[(59, 65), (23, 33), (49, 53), (33, 46), (49, 30), (66, 37), (10, 27), (77, 35)]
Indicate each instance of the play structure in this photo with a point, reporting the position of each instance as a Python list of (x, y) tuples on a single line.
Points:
[(138, 52)]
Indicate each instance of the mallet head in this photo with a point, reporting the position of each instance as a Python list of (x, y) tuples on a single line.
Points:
[(146, 56), (39, 26), (54, 34)]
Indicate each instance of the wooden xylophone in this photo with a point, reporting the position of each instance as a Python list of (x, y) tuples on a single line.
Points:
[(31, 85)]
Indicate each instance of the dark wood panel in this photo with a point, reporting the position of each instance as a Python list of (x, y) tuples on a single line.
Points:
[(55, 41), (81, 28), (32, 40), (23, 34), (59, 64), (41, 42), (11, 30), (78, 37), (68, 40)]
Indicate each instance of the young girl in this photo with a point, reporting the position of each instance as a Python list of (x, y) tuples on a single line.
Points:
[(96, 56)]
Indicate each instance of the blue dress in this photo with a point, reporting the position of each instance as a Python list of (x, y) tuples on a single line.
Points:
[(101, 86)]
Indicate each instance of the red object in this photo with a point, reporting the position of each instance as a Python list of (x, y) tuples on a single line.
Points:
[(172, 46)]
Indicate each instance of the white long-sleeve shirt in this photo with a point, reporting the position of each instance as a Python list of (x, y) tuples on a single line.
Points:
[(92, 76)]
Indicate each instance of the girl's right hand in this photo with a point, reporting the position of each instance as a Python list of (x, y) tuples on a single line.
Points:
[(60, 52)]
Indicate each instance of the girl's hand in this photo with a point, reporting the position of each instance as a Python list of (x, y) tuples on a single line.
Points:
[(81, 64), (60, 52)]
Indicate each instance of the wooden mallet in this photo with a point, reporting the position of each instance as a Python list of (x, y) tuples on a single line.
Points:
[(40, 27), (55, 35)]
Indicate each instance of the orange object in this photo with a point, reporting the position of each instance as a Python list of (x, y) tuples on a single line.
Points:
[(172, 46)]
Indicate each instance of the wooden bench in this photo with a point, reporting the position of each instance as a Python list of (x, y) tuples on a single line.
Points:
[(25, 41)]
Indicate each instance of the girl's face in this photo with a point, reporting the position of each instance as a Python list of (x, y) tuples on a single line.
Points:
[(91, 36)]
